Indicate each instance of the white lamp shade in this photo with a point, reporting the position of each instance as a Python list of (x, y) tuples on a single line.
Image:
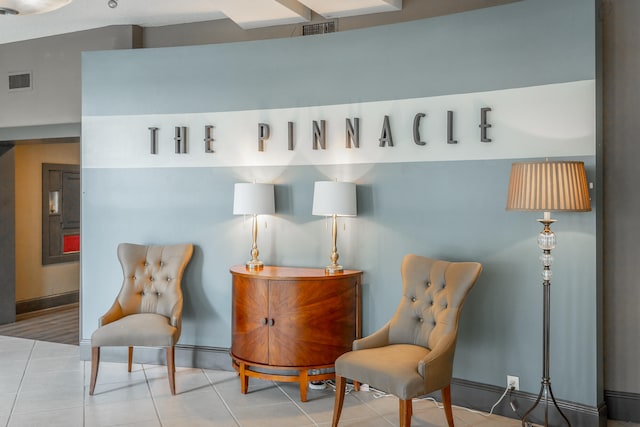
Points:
[(253, 199), (334, 198)]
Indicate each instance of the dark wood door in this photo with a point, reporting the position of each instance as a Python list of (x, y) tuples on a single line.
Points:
[(250, 312), (314, 321)]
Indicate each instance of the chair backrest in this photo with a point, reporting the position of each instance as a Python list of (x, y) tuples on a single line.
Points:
[(152, 277), (432, 297)]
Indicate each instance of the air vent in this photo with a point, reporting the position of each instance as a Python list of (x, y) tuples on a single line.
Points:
[(321, 28), (20, 81)]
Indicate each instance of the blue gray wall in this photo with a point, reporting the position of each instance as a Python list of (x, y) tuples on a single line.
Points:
[(447, 208)]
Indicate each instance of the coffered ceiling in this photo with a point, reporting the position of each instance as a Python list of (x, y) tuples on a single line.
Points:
[(81, 15)]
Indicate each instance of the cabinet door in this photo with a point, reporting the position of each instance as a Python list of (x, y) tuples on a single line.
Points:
[(250, 333), (314, 321)]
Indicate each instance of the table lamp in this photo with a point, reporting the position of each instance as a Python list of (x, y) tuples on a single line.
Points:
[(253, 199), (334, 199)]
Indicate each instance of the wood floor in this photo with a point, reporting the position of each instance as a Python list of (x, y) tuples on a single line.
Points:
[(60, 325)]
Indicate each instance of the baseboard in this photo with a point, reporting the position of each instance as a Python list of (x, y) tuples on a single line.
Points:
[(623, 406), (482, 397), (36, 304)]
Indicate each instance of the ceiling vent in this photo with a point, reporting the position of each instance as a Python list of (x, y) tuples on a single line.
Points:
[(20, 81), (321, 28)]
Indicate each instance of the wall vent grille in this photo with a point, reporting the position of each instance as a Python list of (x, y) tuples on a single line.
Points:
[(20, 81), (321, 28)]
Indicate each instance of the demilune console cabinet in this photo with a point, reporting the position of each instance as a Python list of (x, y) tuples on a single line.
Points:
[(291, 324)]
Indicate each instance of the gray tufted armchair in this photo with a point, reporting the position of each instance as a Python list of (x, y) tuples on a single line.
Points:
[(412, 354), (148, 310)]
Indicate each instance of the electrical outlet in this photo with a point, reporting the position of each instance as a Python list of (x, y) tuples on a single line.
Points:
[(513, 382)]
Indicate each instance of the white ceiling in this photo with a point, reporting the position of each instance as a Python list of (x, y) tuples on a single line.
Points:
[(87, 14)]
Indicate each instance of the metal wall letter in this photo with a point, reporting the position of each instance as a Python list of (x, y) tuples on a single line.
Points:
[(290, 133), (450, 139), (181, 139), (153, 132), (208, 139), (319, 135), (416, 129), (263, 134), (484, 125), (386, 136), (353, 133)]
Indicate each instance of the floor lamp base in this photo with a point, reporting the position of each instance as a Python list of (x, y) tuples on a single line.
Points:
[(543, 396)]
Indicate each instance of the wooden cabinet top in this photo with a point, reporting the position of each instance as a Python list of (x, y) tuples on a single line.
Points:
[(292, 273)]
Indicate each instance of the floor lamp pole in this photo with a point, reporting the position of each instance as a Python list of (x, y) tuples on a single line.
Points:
[(546, 242)]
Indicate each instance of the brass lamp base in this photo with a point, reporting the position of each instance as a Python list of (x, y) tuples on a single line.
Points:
[(333, 269), (252, 265)]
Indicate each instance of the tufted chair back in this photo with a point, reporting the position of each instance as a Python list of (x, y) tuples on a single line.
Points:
[(432, 297), (152, 276)]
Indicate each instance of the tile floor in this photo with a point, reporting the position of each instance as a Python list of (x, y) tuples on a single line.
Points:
[(46, 384)]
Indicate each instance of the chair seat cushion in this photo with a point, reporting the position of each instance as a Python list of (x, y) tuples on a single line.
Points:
[(392, 369), (143, 330)]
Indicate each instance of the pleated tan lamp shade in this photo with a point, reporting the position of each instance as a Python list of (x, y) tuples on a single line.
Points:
[(548, 186)]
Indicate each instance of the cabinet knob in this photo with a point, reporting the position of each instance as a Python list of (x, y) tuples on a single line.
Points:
[(271, 322), (264, 320)]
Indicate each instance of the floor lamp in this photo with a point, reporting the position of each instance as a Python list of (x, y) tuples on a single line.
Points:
[(547, 186)]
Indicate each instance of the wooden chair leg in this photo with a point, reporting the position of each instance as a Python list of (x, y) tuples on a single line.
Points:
[(356, 385), (446, 402), (171, 368), (130, 358), (341, 385), (95, 361), (406, 410)]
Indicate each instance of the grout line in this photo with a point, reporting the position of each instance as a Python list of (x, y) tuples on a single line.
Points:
[(296, 404), (224, 402), (24, 373), (153, 400)]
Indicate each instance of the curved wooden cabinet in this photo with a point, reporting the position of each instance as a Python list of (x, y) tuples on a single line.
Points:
[(292, 320)]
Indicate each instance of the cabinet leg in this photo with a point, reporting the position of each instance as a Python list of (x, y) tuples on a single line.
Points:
[(244, 379), (304, 384)]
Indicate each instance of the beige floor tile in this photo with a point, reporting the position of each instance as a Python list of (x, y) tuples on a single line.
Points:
[(274, 415), (68, 417), (109, 372), (187, 381), (117, 392), (119, 413), (48, 398), (51, 379), (6, 402), (196, 406)]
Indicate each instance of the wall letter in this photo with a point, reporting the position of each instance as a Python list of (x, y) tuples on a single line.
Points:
[(319, 135), (181, 139), (386, 136), (450, 139), (153, 132), (484, 125), (263, 135), (416, 129), (208, 139), (353, 133), (290, 126)]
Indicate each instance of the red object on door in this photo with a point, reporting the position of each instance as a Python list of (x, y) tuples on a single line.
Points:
[(71, 243)]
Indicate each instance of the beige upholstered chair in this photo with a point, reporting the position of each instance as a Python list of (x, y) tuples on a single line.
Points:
[(412, 354), (148, 309)]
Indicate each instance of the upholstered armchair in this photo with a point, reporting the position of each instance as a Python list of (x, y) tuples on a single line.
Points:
[(412, 355), (148, 310)]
